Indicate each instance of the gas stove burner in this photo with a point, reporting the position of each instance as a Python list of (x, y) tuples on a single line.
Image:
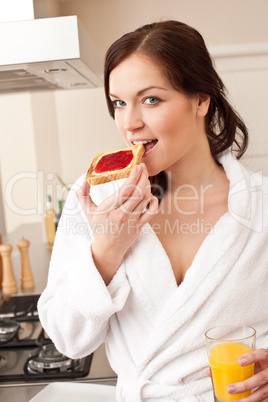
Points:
[(26, 351), (8, 329), (50, 360)]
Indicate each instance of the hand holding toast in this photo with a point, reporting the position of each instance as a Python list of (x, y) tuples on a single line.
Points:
[(118, 220)]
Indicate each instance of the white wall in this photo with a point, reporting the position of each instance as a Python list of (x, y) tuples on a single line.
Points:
[(18, 158), (220, 22), (29, 155), (244, 70)]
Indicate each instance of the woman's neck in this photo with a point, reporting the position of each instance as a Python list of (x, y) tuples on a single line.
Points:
[(196, 170)]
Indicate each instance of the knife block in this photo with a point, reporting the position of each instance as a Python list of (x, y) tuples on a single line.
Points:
[(27, 280), (9, 284)]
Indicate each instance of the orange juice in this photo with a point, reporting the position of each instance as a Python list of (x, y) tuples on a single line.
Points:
[(223, 361)]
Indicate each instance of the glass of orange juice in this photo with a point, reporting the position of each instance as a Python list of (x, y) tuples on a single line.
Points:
[(225, 344)]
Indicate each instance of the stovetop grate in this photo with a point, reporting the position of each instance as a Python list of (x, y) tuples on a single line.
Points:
[(76, 372), (24, 345)]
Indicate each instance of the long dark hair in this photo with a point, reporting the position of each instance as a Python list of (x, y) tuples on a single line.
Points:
[(182, 55)]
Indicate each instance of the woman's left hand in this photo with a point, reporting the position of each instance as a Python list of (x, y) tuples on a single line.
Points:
[(259, 380)]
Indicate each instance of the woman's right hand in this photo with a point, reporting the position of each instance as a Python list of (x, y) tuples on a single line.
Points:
[(118, 220)]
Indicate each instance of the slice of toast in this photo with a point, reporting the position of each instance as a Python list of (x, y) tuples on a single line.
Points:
[(114, 165)]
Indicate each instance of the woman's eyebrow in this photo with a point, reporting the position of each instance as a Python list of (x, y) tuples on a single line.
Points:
[(142, 91), (148, 88)]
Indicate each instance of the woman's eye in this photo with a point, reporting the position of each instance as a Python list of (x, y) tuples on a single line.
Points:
[(118, 103), (151, 100)]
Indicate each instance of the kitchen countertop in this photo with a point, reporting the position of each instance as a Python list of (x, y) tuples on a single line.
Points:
[(100, 373), (24, 392)]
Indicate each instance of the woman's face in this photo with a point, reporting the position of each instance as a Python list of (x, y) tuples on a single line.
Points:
[(149, 110)]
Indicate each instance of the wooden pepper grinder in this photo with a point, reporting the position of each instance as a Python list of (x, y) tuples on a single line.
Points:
[(1, 268), (9, 283), (27, 280)]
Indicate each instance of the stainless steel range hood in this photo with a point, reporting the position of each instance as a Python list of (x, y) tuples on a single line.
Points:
[(48, 53)]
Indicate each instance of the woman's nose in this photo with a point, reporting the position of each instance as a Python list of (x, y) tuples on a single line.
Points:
[(133, 120)]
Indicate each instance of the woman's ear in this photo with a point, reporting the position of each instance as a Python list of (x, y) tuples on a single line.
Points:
[(203, 101)]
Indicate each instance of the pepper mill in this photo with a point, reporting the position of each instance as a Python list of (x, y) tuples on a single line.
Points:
[(1, 268), (27, 280), (9, 283)]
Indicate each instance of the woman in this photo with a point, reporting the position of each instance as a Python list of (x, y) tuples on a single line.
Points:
[(146, 265)]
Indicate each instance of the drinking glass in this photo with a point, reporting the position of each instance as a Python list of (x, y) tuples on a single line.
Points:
[(225, 344)]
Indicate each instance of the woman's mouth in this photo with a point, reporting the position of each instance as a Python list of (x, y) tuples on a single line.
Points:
[(148, 145)]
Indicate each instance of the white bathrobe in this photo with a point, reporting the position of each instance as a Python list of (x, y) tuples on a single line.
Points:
[(154, 329)]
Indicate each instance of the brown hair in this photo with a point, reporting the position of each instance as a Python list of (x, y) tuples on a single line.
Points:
[(181, 52)]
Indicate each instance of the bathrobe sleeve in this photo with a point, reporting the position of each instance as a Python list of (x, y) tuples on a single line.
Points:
[(76, 305)]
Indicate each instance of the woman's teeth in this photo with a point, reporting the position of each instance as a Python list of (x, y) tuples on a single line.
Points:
[(147, 144), (141, 142)]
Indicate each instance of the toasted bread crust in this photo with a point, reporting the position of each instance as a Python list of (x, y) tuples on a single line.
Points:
[(94, 178)]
